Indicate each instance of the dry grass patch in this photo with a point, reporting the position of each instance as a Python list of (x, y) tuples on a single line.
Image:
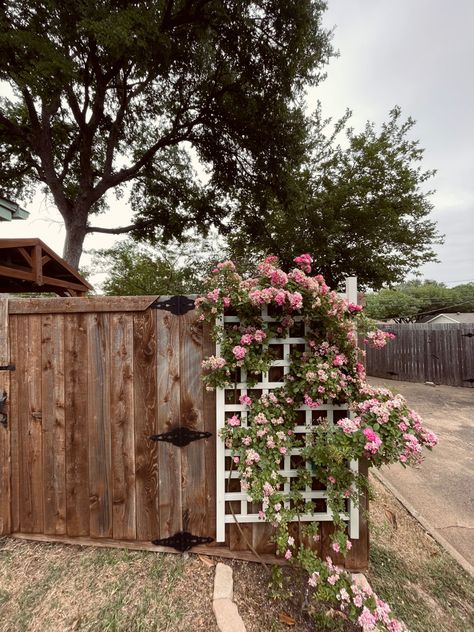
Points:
[(59, 588), (423, 584)]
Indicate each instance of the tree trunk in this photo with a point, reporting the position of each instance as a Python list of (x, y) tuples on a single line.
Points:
[(76, 230)]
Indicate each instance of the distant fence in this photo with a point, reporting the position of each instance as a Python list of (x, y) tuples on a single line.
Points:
[(439, 353)]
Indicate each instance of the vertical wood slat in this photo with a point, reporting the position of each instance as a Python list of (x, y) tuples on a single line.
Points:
[(30, 425), (76, 426), (145, 407), (193, 456), (54, 449), (14, 412), (100, 449), (122, 426), (209, 425), (5, 432), (168, 417)]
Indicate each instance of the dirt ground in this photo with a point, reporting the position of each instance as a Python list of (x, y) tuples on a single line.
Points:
[(442, 489)]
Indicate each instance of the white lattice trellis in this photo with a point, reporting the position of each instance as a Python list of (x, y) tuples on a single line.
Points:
[(248, 512)]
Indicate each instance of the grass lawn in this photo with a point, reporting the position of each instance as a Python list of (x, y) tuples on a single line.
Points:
[(53, 587)]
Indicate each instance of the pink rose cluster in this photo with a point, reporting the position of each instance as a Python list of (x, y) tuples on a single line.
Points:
[(253, 335), (353, 308), (304, 262), (283, 298), (349, 426), (213, 363), (378, 338), (239, 352), (373, 441)]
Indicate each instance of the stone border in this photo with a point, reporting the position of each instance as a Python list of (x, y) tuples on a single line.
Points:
[(433, 532), (225, 610)]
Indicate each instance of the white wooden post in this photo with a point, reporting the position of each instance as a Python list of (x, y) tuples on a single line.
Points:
[(351, 296)]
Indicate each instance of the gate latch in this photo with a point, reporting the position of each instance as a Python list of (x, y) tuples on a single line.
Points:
[(181, 436), (183, 541), (3, 415)]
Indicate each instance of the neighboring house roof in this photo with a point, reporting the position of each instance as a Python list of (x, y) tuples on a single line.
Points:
[(11, 210), (455, 317), (29, 265)]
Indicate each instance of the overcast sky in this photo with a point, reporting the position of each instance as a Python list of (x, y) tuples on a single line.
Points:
[(417, 54)]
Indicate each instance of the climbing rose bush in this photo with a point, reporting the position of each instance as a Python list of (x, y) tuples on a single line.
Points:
[(380, 427)]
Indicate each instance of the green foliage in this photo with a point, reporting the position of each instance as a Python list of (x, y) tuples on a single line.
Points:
[(413, 300), (135, 269), (360, 209), (106, 94)]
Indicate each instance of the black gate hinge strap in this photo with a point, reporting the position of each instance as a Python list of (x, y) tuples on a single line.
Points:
[(7, 367), (177, 305), (181, 436), (183, 541)]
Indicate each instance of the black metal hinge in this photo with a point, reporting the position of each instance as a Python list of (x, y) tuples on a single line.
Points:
[(469, 335), (3, 415), (469, 379), (7, 367), (180, 436), (177, 305), (183, 541)]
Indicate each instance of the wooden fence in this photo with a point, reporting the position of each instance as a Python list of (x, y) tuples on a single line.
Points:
[(439, 353), (93, 380)]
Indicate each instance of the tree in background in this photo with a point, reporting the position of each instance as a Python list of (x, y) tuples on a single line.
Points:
[(362, 209), (109, 94), (415, 300), (135, 268)]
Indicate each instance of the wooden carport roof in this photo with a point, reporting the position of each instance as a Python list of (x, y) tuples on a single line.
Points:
[(29, 265)]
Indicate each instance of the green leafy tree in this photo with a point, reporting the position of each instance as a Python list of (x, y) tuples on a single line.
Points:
[(135, 268), (112, 96), (415, 300), (360, 209)]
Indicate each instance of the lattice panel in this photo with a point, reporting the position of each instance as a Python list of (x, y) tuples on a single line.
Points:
[(228, 479)]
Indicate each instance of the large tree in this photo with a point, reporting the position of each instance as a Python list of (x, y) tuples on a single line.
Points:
[(110, 93), (360, 206)]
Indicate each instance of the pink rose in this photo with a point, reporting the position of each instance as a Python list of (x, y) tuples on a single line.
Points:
[(239, 352)]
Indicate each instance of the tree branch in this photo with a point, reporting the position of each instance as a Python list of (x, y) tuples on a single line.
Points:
[(121, 229)]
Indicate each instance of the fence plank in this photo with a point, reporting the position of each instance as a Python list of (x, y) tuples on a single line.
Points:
[(146, 452), (76, 426), (193, 456), (14, 425), (168, 417), (209, 425), (30, 425), (122, 426), (5, 431), (54, 449), (100, 451)]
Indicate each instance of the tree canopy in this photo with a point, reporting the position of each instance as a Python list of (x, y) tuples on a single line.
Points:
[(415, 300), (134, 268), (360, 208), (108, 95)]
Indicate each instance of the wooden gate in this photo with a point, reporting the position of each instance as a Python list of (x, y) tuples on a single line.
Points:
[(94, 380)]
